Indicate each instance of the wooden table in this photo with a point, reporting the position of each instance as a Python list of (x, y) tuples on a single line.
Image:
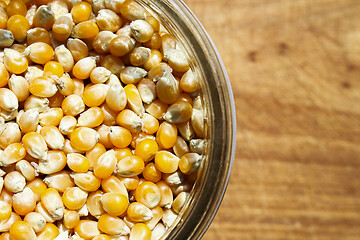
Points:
[(294, 67)]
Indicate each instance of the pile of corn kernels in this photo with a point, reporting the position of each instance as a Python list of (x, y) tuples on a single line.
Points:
[(101, 123)]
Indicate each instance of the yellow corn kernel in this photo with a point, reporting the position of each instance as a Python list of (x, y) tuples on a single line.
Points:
[(151, 173), (108, 20), (78, 163), (114, 184), (19, 26), (186, 130), (38, 187), (5, 236), (12, 154), (179, 112), (67, 124), (87, 229), (87, 181), (92, 117), (25, 168), (102, 41), (36, 103), (146, 149), (64, 57), (114, 203), (8, 100), (141, 30), (85, 30), (130, 183), (174, 179), (116, 98), (166, 161), (105, 165), (109, 114), (185, 97), (3, 17), (154, 59), (74, 198), (40, 52), (148, 193), (7, 223), (150, 124), (180, 148), (134, 99), (140, 231), (73, 105), (19, 86), (93, 154), (103, 131), (6, 196), (4, 75), (139, 56), (166, 136), (35, 145), (83, 68), (119, 136), (5, 210), (43, 87), (132, 10), (147, 90), (95, 95), (189, 163), (157, 109), (102, 237), (65, 84), (60, 181), (189, 82), (49, 233), (177, 60), (197, 122), (157, 215), (29, 120), (36, 221), (43, 212), (10, 134), (121, 45), (180, 201), (138, 212), (38, 35), (24, 202), (155, 41), (112, 225), (16, 7), (56, 161), (78, 48), (51, 117), (56, 100), (167, 88), (44, 17), (81, 12), (71, 219), (53, 68), (130, 166), (52, 202), (130, 120), (84, 138), (113, 63), (14, 61), (99, 74), (122, 152), (22, 231), (93, 203)]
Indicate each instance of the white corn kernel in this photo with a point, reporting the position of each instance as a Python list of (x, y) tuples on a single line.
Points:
[(26, 169), (116, 97), (36, 221), (8, 100), (14, 182), (20, 87)]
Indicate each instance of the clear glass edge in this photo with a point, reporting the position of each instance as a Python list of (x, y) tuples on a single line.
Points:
[(187, 18)]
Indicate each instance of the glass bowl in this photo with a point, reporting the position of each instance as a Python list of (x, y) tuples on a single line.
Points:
[(220, 117)]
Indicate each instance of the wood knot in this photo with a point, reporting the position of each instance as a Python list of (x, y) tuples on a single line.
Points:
[(346, 85), (282, 48), (252, 55)]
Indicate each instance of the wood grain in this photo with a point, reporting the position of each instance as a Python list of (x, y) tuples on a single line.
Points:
[(294, 67)]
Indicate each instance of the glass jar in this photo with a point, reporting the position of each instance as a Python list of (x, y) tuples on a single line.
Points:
[(220, 117)]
